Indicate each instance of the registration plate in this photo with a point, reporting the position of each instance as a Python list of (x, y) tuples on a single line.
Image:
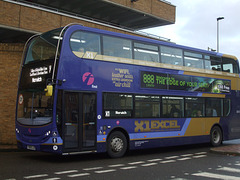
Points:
[(33, 148)]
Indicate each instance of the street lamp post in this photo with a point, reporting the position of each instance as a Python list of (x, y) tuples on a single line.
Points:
[(218, 19)]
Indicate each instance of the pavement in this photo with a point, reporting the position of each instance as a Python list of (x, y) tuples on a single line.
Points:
[(231, 147), (9, 148)]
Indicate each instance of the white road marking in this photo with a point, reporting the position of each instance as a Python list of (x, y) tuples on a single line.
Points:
[(200, 156), (237, 164), (105, 171), (56, 178), (170, 161), (94, 168), (184, 159), (154, 160), (79, 175), (135, 163), (171, 157), (35, 176), (116, 165), (186, 155), (216, 176), (200, 153), (66, 172), (130, 167), (229, 169), (150, 164)]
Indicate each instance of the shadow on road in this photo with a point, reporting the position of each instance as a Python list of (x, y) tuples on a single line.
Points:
[(54, 158)]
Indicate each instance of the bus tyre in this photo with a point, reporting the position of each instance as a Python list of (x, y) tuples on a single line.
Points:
[(116, 144), (216, 136)]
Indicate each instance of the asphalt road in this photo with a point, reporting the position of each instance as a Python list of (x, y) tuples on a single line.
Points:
[(176, 163)]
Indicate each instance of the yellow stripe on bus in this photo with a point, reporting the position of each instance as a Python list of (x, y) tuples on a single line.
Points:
[(201, 126)]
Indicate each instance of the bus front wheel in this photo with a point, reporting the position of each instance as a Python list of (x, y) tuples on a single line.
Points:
[(116, 144), (216, 136)]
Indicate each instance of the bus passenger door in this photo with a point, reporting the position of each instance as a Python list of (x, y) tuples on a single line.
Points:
[(79, 121), (89, 116)]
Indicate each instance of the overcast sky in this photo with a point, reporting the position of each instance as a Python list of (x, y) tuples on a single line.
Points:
[(196, 25)]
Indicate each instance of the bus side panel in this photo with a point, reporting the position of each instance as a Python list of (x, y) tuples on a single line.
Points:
[(231, 123), (165, 142)]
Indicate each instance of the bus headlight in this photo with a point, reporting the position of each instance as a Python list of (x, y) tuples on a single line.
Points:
[(47, 133), (17, 131), (55, 148)]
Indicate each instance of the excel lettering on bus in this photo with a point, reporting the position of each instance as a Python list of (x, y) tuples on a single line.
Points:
[(155, 125)]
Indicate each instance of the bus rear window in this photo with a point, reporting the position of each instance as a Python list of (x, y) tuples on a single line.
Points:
[(229, 65)]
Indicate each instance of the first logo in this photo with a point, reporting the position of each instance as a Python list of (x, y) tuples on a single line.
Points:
[(88, 78)]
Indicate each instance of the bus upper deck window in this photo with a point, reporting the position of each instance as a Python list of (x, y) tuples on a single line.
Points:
[(194, 60), (84, 41), (117, 47), (146, 52), (171, 55), (229, 65)]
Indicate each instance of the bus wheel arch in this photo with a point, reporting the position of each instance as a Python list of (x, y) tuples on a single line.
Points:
[(117, 143), (216, 135)]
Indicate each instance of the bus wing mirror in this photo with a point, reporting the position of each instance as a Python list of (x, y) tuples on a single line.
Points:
[(49, 90)]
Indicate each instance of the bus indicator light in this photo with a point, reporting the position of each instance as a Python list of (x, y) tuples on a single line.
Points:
[(20, 99), (54, 140)]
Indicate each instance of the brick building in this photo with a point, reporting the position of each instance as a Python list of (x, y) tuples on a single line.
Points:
[(22, 18)]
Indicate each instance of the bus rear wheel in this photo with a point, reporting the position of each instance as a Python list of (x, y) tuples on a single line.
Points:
[(216, 136), (116, 144)]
